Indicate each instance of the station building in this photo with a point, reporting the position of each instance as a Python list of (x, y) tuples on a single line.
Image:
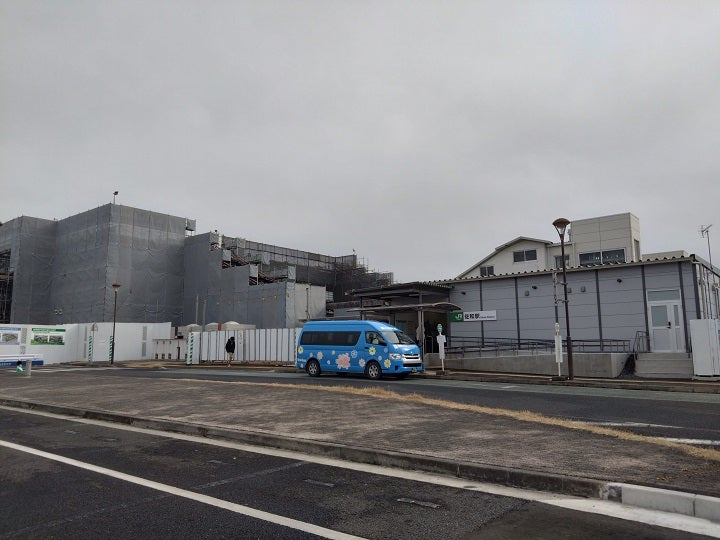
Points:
[(619, 300)]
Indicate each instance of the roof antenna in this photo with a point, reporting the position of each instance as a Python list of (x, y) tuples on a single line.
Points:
[(705, 232)]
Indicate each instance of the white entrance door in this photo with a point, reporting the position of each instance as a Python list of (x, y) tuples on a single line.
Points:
[(666, 322)]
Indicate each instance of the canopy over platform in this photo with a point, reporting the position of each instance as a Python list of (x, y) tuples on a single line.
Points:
[(435, 307)]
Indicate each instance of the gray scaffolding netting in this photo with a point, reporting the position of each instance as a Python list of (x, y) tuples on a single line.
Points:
[(63, 272), (215, 292), (27, 245), (141, 251), (268, 286)]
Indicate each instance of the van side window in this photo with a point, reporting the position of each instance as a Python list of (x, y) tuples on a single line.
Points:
[(373, 338), (315, 337)]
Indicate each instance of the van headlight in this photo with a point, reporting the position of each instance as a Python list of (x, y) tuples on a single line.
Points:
[(395, 356)]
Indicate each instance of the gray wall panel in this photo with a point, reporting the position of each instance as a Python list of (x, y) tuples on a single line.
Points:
[(621, 310)]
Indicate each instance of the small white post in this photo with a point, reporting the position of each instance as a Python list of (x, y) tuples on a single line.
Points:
[(558, 349), (441, 345)]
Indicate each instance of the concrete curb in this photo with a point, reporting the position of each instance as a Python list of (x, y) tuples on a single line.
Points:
[(664, 500)]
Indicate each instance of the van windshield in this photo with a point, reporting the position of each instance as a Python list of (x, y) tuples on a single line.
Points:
[(398, 338)]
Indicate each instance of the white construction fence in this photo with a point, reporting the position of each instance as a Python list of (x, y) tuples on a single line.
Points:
[(263, 346), (89, 342)]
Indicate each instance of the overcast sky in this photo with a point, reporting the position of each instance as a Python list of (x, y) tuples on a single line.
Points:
[(421, 134)]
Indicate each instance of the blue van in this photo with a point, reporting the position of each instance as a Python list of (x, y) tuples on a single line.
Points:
[(366, 347)]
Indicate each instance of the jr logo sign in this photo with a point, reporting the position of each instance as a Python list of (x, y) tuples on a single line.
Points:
[(473, 316)]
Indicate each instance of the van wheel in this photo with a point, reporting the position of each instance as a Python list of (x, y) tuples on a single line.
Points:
[(313, 368), (373, 371)]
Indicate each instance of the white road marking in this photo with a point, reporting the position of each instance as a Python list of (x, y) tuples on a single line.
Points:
[(47, 370), (702, 442), (631, 424), (584, 391), (698, 442), (179, 492), (594, 506)]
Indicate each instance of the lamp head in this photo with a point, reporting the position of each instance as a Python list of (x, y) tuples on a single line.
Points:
[(560, 225), (116, 286)]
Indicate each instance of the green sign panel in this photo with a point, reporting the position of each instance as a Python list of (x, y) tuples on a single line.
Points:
[(473, 316), (47, 336)]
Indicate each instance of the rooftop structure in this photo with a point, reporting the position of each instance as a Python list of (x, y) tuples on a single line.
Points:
[(605, 239)]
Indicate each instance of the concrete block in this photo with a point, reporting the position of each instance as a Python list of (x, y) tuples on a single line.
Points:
[(707, 508), (605, 365), (659, 499)]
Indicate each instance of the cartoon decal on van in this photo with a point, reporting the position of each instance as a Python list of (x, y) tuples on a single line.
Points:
[(343, 361)]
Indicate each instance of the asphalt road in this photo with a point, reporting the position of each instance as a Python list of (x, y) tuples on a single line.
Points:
[(674, 415), (129, 483)]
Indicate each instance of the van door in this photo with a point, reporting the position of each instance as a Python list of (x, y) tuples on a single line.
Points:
[(373, 337)]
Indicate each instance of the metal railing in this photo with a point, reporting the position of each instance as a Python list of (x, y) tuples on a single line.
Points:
[(641, 343), (477, 346)]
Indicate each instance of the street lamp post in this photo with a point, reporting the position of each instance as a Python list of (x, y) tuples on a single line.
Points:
[(115, 287), (560, 225)]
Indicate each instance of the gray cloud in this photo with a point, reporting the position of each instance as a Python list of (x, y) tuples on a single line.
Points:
[(420, 134)]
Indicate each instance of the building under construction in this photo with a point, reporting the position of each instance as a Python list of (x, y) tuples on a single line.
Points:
[(131, 265)]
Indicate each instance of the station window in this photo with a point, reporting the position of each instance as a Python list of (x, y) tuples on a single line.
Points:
[(525, 255), (602, 257), (613, 255), (486, 271)]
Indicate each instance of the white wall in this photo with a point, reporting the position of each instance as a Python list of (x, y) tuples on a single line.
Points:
[(55, 344), (79, 342), (619, 231), (170, 349), (503, 261)]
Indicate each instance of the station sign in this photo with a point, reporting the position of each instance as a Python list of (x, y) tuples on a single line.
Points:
[(473, 316)]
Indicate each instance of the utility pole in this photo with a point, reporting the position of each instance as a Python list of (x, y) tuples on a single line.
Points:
[(705, 233)]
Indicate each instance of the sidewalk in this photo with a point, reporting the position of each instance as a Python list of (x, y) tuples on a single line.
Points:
[(383, 429)]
